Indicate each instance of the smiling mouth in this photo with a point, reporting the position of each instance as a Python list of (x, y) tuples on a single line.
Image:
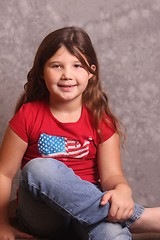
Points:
[(66, 86)]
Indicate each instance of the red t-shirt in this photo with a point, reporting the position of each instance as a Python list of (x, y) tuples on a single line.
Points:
[(73, 143)]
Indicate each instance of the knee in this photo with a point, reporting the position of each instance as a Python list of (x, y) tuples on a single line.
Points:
[(44, 176), (41, 169)]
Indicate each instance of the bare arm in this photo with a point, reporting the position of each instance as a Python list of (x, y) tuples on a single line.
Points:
[(110, 166), (112, 180), (11, 153)]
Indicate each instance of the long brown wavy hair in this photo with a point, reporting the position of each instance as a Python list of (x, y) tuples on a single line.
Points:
[(79, 44)]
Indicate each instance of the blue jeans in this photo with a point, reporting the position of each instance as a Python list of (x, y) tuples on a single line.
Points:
[(51, 195)]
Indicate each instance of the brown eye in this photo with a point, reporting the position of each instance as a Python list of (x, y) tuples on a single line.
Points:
[(77, 65), (56, 66)]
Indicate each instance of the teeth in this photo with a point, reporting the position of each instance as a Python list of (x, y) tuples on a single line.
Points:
[(65, 86)]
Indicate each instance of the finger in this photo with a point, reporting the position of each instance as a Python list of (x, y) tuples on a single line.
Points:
[(130, 213), (105, 199), (112, 213), (125, 215), (121, 214)]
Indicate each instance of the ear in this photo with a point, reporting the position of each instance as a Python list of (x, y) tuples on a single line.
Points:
[(93, 67)]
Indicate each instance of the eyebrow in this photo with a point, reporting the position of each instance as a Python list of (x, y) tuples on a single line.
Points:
[(76, 61)]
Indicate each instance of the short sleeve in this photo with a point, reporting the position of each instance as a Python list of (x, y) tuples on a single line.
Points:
[(20, 123), (106, 129)]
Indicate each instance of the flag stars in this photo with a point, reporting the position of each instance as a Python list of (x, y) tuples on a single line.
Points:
[(48, 144), (60, 146)]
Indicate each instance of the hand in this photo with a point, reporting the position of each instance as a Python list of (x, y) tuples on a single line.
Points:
[(7, 232), (122, 205)]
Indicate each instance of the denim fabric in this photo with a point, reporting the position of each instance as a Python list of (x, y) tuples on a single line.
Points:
[(37, 218), (51, 194)]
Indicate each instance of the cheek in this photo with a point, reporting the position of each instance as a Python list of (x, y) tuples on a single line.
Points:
[(85, 84), (84, 76), (49, 77)]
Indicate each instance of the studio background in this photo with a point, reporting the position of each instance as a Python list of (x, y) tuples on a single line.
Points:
[(126, 36)]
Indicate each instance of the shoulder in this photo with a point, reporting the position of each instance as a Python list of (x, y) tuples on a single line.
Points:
[(28, 117), (35, 104), (29, 112), (32, 108), (104, 123), (106, 128)]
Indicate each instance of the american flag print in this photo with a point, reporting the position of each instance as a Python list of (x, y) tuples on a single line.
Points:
[(56, 146)]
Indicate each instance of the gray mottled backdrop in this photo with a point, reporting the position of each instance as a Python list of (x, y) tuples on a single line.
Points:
[(126, 35)]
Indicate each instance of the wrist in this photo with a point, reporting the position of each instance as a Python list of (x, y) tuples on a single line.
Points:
[(124, 186)]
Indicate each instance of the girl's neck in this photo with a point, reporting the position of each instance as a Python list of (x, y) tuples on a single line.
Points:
[(66, 112)]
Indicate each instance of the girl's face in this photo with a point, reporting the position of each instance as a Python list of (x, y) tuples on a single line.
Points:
[(65, 77)]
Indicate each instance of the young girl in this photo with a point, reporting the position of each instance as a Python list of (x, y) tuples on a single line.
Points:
[(67, 141)]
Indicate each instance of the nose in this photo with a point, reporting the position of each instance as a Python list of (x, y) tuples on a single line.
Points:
[(66, 74)]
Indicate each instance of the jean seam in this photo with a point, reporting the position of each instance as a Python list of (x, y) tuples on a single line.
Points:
[(91, 237)]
